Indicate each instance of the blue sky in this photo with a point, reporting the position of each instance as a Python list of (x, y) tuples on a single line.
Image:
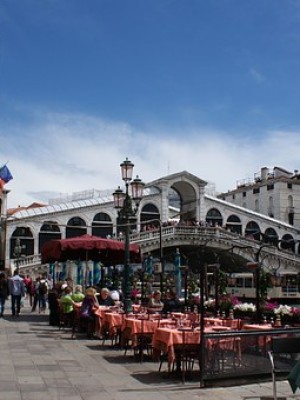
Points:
[(211, 87)]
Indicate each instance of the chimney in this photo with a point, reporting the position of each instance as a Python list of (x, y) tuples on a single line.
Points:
[(264, 173)]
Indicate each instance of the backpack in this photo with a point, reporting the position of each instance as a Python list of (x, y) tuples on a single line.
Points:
[(43, 287)]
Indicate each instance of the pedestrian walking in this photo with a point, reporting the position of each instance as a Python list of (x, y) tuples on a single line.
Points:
[(4, 292), (17, 291), (36, 283), (43, 293), (29, 289)]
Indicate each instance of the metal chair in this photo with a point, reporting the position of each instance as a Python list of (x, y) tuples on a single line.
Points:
[(282, 358)]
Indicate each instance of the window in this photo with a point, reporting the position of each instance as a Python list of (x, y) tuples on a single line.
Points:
[(248, 282), (289, 185), (244, 194), (256, 190), (271, 207), (233, 196), (270, 187)]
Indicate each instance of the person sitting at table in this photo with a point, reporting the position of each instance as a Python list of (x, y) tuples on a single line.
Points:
[(155, 304), (78, 296), (67, 307), (172, 303), (116, 296), (104, 298), (88, 306)]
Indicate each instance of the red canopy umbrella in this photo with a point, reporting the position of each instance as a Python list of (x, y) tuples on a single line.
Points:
[(88, 247)]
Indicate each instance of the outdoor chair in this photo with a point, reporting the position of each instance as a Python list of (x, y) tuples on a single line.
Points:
[(65, 319), (143, 343), (282, 357), (80, 324), (186, 354)]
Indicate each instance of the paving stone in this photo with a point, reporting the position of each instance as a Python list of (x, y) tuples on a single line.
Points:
[(39, 361)]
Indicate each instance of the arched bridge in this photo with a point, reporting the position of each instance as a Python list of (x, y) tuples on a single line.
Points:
[(229, 247), (232, 250)]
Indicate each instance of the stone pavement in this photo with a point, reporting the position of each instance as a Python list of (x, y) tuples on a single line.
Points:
[(41, 362)]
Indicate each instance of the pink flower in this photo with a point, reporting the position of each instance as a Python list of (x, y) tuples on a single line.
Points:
[(135, 292)]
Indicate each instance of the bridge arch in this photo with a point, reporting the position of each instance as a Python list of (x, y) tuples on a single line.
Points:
[(102, 225), (288, 242), (191, 192), (76, 226), (149, 212), (270, 236), (187, 200), (25, 235), (48, 231), (252, 230), (234, 224), (214, 217)]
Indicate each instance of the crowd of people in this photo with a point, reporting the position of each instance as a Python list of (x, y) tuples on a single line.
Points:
[(20, 288), (64, 298)]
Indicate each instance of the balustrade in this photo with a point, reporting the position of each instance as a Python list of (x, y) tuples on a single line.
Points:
[(217, 236)]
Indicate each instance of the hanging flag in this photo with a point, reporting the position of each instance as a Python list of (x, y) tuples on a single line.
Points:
[(52, 271), (177, 264), (79, 280), (149, 265), (90, 278), (5, 174), (96, 273), (63, 272)]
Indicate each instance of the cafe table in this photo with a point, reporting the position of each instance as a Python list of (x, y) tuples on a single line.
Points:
[(142, 324), (260, 341), (232, 323), (165, 340), (108, 319)]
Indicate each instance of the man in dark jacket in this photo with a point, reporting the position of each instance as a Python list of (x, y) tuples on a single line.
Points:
[(172, 303), (4, 292)]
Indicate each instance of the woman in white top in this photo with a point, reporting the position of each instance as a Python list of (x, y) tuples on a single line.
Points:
[(155, 304)]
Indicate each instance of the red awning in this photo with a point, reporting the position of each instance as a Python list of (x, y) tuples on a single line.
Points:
[(87, 247)]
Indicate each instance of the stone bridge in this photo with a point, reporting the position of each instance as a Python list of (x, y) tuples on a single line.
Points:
[(232, 250), (229, 247)]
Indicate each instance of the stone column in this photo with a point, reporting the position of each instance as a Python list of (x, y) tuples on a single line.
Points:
[(200, 204), (164, 205)]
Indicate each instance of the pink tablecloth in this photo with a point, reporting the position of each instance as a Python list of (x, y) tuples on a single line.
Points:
[(261, 341), (164, 340)]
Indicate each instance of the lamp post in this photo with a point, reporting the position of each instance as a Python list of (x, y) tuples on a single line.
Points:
[(198, 263), (257, 265), (127, 206), (202, 311)]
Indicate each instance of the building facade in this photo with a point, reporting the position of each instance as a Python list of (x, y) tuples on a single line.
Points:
[(275, 193)]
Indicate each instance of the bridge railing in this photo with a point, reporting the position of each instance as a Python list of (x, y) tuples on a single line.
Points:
[(199, 231), (26, 261), (179, 230), (182, 232), (211, 234)]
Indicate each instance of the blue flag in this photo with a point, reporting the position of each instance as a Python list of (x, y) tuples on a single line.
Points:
[(5, 174)]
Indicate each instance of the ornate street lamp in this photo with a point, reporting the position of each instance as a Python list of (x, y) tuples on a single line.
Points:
[(127, 206), (257, 266)]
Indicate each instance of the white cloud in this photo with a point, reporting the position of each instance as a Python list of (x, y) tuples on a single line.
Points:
[(61, 153), (256, 75)]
